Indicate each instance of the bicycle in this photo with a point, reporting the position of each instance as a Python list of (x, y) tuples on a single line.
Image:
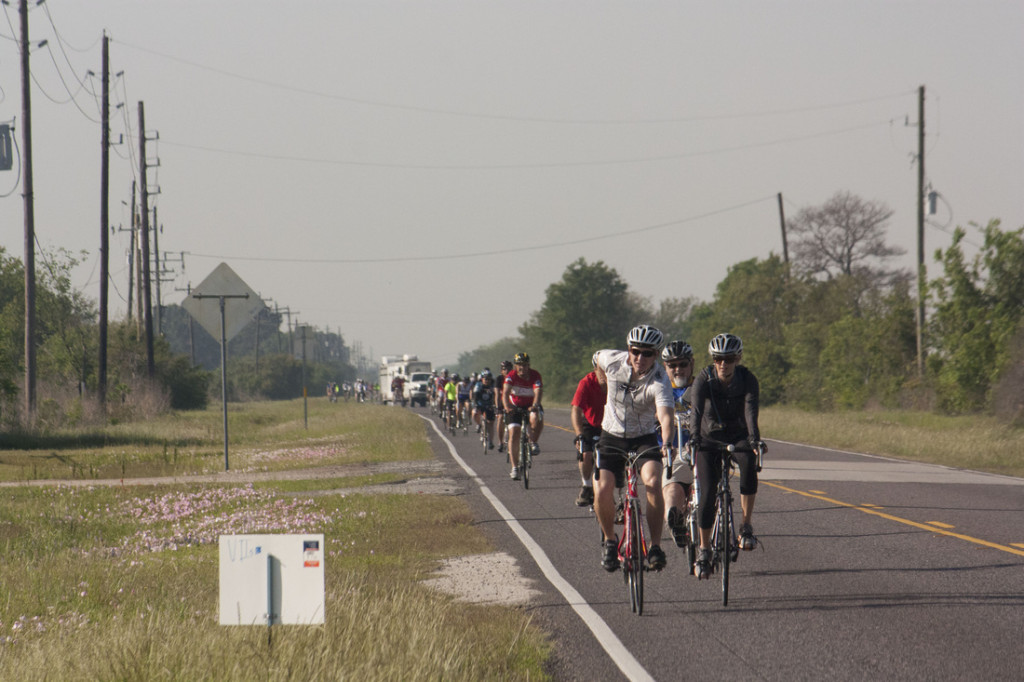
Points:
[(725, 546), (633, 546), (449, 417)]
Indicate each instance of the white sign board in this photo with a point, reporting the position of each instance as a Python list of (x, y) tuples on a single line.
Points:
[(238, 312), (278, 574)]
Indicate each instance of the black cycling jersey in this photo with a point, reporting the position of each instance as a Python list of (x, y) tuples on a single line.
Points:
[(726, 414), (483, 396)]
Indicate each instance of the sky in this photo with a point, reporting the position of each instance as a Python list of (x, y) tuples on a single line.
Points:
[(415, 174)]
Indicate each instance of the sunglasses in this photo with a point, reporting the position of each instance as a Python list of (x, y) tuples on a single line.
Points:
[(677, 365), (725, 360), (636, 352)]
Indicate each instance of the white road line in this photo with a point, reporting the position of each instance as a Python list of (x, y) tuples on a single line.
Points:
[(614, 647)]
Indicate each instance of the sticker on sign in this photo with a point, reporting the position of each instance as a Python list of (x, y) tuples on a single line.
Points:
[(238, 311)]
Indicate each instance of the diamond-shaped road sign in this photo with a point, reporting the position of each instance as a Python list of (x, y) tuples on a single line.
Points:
[(238, 311)]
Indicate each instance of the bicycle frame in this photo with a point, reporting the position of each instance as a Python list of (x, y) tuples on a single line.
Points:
[(633, 545), (724, 544)]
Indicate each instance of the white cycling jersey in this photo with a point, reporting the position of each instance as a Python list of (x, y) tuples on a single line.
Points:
[(631, 408)]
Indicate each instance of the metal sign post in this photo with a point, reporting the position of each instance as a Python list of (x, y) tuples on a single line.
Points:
[(223, 362), (223, 284)]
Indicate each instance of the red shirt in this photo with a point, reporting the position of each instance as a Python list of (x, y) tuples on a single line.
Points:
[(521, 391), (590, 398)]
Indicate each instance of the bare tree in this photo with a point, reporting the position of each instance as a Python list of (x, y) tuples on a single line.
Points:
[(843, 236)]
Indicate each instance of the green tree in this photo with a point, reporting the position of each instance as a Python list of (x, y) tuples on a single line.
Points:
[(979, 305), (588, 309), (753, 302)]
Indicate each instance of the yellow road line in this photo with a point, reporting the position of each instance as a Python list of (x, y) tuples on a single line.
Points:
[(940, 524), (923, 526)]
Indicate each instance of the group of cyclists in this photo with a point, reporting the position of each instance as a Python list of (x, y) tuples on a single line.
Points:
[(496, 404), (641, 399), (360, 390), (630, 402)]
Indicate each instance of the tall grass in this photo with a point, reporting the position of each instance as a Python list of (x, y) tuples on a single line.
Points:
[(970, 442), (122, 583)]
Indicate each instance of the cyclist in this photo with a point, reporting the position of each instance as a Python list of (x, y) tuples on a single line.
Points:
[(677, 357), (483, 405), (499, 386), (725, 409), (451, 395), (398, 390), (521, 396), (441, 382), (587, 412), (463, 390), (639, 400)]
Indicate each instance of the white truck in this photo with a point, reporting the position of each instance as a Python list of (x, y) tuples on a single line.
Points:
[(416, 373)]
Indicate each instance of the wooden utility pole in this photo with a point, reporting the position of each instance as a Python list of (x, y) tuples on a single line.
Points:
[(920, 232), (159, 270), (30, 226), (146, 273), (782, 222), (101, 378)]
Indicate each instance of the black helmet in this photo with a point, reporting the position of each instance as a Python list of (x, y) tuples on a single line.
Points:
[(677, 350), (521, 359)]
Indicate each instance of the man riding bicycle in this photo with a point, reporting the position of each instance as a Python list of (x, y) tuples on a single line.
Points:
[(483, 405), (678, 360), (639, 401), (521, 396), (725, 411)]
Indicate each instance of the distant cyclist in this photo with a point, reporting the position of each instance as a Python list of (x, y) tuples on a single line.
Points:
[(521, 397), (725, 411), (499, 390), (484, 399), (677, 357), (639, 402)]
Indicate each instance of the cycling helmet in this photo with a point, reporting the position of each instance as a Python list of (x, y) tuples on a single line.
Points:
[(455, 377), (486, 374), (645, 335), (677, 350), (506, 364), (444, 372), (521, 359), (725, 344)]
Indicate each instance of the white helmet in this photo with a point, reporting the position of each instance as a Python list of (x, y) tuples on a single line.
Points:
[(725, 344), (645, 335)]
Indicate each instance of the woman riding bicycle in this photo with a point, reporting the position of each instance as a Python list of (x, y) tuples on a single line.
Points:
[(639, 400), (725, 409)]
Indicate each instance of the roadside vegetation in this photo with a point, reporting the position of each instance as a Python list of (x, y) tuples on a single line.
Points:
[(121, 582), (977, 442)]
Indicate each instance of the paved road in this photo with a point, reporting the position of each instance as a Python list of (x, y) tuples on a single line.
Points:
[(872, 569)]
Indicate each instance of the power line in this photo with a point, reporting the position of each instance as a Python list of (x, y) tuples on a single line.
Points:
[(506, 117), (520, 166), (496, 252)]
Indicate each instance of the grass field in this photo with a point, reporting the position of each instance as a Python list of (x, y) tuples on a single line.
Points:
[(969, 442), (121, 583)]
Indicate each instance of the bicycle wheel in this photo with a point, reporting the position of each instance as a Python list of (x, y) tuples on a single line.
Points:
[(692, 526), (524, 459), (636, 560), (723, 545)]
